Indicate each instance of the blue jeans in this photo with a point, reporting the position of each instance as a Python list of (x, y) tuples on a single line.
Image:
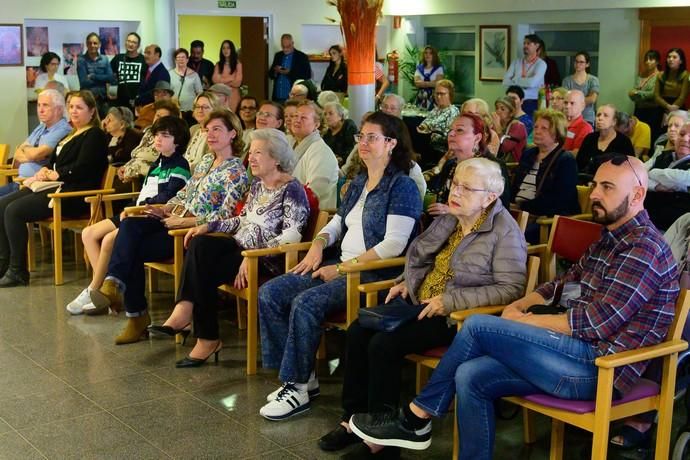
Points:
[(9, 188), (291, 310), (493, 357)]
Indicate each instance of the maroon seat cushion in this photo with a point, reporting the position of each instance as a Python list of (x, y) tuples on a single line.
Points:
[(437, 352), (643, 389)]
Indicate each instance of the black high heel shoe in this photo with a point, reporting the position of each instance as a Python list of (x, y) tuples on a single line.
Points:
[(188, 361), (157, 331)]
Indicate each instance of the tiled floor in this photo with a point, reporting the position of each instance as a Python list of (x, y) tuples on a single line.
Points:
[(67, 391)]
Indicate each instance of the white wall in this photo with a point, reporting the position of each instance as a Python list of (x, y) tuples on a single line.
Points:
[(619, 37), (13, 117)]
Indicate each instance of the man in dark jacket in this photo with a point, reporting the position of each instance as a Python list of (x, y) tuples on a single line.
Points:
[(155, 72), (288, 66)]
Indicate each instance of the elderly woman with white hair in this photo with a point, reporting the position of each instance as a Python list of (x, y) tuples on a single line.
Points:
[(122, 137), (275, 212), (472, 256), (340, 131)]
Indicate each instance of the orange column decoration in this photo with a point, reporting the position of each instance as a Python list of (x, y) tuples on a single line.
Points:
[(358, 23)]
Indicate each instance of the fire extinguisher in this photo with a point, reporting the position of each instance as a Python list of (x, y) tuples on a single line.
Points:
[(393, 58)]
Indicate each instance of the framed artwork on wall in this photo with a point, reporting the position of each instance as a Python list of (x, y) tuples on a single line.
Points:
[(11, 45), (494, 52)]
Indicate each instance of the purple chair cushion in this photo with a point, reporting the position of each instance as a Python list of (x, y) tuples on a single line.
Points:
[(643, 389)]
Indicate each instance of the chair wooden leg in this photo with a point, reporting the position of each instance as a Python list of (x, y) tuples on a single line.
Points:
[(252, 329), (78, 249), (57, 241), (423, 374), (528, 426), (31, 249), (456, 434), (666, 394), (557, 435), (241, 314), (152, 280), (321, 352)]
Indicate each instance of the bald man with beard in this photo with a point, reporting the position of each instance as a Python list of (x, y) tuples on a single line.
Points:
[(578, 128), (628, 285)]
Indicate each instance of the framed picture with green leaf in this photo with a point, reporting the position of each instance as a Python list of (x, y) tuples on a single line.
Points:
[(494, 52)]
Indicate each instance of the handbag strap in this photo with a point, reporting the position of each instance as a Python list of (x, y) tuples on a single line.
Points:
[(182, 83), (548, 169)]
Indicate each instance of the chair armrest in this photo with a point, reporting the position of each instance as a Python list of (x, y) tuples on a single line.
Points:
[(295, 247), (134, 210), (538, 249), (9, 172), (641, 354), (376, 286), (462, 315), (112, 197), (373, 265), (261, 252), (81, 193), (178, 232)]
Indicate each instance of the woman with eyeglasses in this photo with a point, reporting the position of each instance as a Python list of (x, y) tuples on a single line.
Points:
[(247, 113), (545, 182), (585, 82), (218, 182), (437, 123), (475, 255), (204, 104), (376, 220)]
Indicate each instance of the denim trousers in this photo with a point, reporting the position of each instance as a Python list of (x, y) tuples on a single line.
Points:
[(139, 240), (291, 310), (493, 357), (9, 188)]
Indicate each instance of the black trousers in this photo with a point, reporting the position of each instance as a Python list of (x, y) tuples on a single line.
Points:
[(373, 360), (16, 210), (209, 262)]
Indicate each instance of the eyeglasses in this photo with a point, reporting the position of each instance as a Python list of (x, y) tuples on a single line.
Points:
[(618, 159), (266, 114), (370, 138), (465, 189), (392, 108), (202, 107)]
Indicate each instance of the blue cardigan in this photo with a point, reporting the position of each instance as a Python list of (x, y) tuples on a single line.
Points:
[(395, 194)]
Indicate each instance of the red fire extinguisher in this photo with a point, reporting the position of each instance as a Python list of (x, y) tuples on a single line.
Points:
[(393, 58)]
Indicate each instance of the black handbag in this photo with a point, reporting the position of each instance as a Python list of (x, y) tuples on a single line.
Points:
[(553, 308), (387, 318)]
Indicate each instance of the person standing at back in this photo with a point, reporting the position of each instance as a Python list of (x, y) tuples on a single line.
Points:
[(155, 72), (289, 65), (197, 63), (129, 69), (527, 72)]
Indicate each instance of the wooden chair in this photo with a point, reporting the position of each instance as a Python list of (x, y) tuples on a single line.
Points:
[(249, 295), (6, 169), (569, 239), (57, 224), (595, 416), (583, 199)]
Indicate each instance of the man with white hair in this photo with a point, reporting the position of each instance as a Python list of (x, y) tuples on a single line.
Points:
[(35, 151), (578, 128), (299, 92), (392, 104)]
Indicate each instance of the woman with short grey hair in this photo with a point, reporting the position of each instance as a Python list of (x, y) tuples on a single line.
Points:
[(122, 137), (278, 147), (340, 131), (275, 212)]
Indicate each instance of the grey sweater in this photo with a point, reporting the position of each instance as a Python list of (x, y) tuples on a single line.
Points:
[(489, 265)]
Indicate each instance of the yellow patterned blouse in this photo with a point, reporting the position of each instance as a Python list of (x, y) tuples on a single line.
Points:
[(435, 281)]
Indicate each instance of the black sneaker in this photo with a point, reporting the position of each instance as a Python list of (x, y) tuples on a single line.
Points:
[(362, 452), (337, 439), (387, 429)]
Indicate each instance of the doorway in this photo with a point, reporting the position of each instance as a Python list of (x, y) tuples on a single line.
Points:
[(250, 35)]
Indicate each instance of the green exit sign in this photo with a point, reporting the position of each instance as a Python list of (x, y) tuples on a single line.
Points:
[(227, 4)]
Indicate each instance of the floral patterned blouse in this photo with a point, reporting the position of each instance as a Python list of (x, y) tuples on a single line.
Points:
[(212, 194), (268, 219), (438, 121), (142, 156)]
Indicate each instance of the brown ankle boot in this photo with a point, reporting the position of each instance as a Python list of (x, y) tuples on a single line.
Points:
[(134, 330), (108, 296)]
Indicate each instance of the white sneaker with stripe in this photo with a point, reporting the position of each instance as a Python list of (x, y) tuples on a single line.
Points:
[(288, 402)]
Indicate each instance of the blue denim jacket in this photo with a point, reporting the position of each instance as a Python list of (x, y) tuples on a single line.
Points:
[(395, 194), (94, 74)]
